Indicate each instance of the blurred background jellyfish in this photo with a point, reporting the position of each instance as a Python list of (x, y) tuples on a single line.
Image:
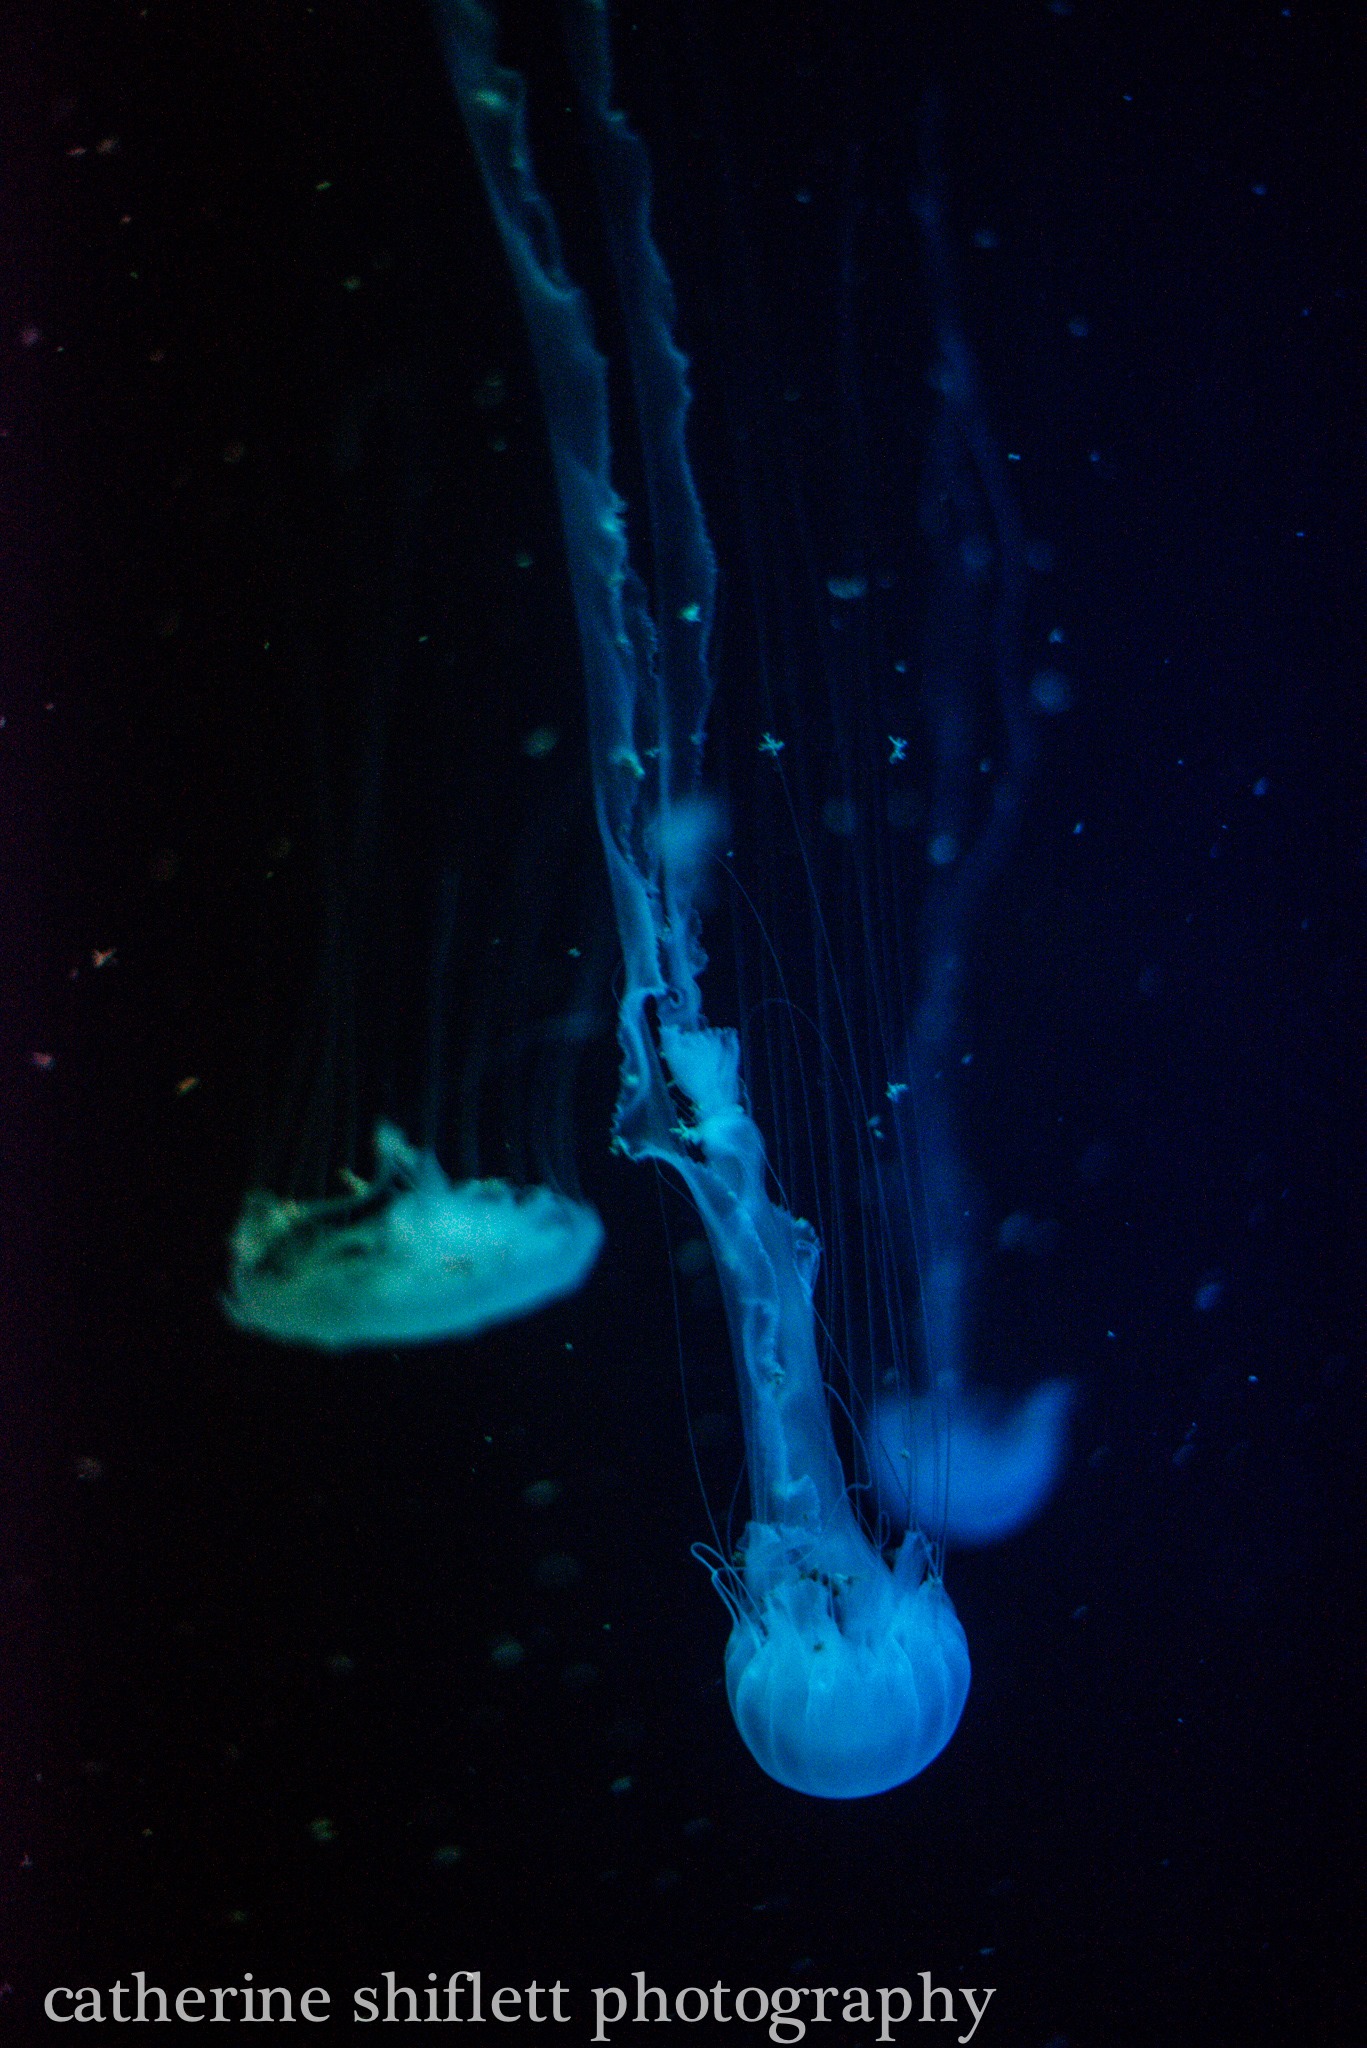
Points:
[(417, 1179), (847, 1669), (988, 1464)]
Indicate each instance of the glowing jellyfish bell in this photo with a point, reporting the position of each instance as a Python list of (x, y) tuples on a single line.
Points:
[(844, 1683), (409, 1258)]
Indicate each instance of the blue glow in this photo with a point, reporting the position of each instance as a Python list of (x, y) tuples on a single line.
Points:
[(1003, 1460)]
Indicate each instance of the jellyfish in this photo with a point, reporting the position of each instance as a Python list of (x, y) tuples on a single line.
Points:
[(1004, 1456), (457, 980), (846, 1668), (410, 1257)]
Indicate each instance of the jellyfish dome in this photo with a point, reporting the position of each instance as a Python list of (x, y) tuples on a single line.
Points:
[(409, 1258), (843, 1683)]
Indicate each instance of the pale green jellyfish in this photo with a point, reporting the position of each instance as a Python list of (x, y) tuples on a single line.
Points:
[(410, 1258), (461, 971)]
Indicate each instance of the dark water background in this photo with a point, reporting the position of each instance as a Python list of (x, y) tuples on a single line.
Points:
[(250, 1599)]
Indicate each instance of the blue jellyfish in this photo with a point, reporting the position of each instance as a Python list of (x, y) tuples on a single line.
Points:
[(846, 1668), (1004, 1457)]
